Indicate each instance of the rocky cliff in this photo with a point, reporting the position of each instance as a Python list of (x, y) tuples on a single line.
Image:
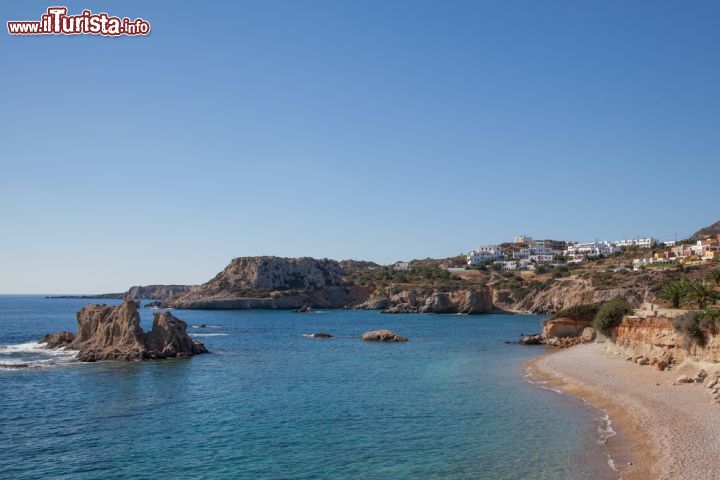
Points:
[(656, 338), (471, 301), (570, 292), (274, 283), (114, 333)]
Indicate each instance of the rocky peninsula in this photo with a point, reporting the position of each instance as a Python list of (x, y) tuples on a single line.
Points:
[(113, 333)]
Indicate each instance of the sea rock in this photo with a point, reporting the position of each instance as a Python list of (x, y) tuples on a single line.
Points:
[(683, 379), (304, 309), (383, 336), (113, 333), (320, 335), (532, 340), (57, 340), (168, 339), (700, 376)]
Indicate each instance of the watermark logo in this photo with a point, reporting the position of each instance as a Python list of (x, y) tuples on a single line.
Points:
[(56, 21)]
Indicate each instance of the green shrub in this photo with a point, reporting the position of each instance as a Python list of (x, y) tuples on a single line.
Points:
[(517, 294), (585, 310), (541, 269), (696, 326), (610, 314)]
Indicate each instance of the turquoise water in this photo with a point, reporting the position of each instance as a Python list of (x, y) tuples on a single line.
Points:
[(269, 403)]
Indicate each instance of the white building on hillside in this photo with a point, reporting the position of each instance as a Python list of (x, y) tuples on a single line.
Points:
[(524, 239), (514, 265), (401, 266), (540, 258), (592, 249), (539, 254), (642, 242), (486, 253)]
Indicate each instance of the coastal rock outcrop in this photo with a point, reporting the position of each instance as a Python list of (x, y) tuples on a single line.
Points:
[(274, 283), (113, 333), (571, 292), (566, 327), (564, 332), (57, 340), (467, 301), (383, 336), (652, 337)]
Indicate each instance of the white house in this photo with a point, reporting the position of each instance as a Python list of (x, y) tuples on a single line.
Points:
[(591, 249), (642, 242), (536, 253), (524, 239), (402, 266), (486, 253), (540, 258), (512, 265)]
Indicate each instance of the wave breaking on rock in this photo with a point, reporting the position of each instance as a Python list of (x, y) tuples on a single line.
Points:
[(113, 333)]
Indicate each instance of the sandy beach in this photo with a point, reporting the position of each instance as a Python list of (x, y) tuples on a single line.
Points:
[(664, 431)]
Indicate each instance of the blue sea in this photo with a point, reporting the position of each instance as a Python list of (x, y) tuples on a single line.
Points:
[(452, 403)]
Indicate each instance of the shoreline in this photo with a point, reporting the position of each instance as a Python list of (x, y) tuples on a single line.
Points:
[(627, 435), (662, 430)]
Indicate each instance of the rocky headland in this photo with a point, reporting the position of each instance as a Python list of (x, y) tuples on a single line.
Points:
[(113, 333), (424, 286), (274, 283)]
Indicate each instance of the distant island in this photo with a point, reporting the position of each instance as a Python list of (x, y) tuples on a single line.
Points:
[(147, 292)]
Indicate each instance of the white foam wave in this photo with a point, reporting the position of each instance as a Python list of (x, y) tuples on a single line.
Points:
[(209, 334), (611, 464), (33, 355)]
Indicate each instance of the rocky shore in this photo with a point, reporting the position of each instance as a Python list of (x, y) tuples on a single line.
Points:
[(471, 301), (114, 333)]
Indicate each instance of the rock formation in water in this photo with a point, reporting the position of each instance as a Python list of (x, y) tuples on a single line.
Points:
[(383, 336), (57, 340), (113, 333), (320, 335)]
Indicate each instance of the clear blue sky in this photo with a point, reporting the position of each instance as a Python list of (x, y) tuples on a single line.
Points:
[(378, 130)]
